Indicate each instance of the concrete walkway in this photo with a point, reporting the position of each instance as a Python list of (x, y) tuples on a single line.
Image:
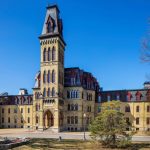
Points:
[(64, 135)]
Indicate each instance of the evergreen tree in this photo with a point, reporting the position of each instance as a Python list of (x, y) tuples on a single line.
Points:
[(109, 126)]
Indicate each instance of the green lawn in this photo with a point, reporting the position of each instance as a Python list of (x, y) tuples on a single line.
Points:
[(53, 144)]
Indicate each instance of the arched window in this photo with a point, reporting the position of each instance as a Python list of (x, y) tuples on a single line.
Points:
[(49, 54), (44, 92), (48, 92), (44, 54), (53, 76), (44, 77), (48, 76), (53, 54), (53, 91)]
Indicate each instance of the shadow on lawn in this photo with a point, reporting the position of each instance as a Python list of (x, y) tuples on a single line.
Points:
[(78, 144)]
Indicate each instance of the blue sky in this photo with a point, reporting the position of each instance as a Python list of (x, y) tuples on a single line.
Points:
[(103, 37)]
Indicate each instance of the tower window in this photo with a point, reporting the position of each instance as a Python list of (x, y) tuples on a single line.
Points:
[(48, 76), (53, 76), (48, 92), (44, 92), (53, 92), (53, 53), (44, 77), (49, 54), (28, 110), (44, 54)]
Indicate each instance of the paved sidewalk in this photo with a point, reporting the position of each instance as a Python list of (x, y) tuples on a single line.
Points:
[(49, 134)]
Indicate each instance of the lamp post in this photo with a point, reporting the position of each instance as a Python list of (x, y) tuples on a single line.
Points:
[(84, 118)]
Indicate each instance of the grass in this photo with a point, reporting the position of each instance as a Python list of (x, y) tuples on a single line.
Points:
[(54, 144)]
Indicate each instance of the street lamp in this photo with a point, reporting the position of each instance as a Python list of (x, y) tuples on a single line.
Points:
[(84, 119)]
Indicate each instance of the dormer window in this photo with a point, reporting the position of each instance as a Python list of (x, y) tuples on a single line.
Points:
[(129, 96), (138, 96), (50, 24), (108, 98), (118, 96)]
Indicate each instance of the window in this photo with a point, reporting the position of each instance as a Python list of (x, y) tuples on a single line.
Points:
[(48, 92), (48, 27), (3, 110), (148, 120), (127, 109), (118, 97), (44, 54), (68, 107), (48, 76), (138, 96), (49, 54), (148, 108), (28, 110), (128, 121), (99, 99), (108, 98), (73, 81), (15, 110), (53, 76), (76, 106), (28, 119), (53, 54), (9, 110), (72, 120), (68, 94), (44, 92), (76, 119), (8, 119), (44, 77), (36, 107), (21, 110), (21, 120), (77, 94), (68, 120), (53, 92), (137, 121), (137, 109), (37, 119), (82, 95)]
